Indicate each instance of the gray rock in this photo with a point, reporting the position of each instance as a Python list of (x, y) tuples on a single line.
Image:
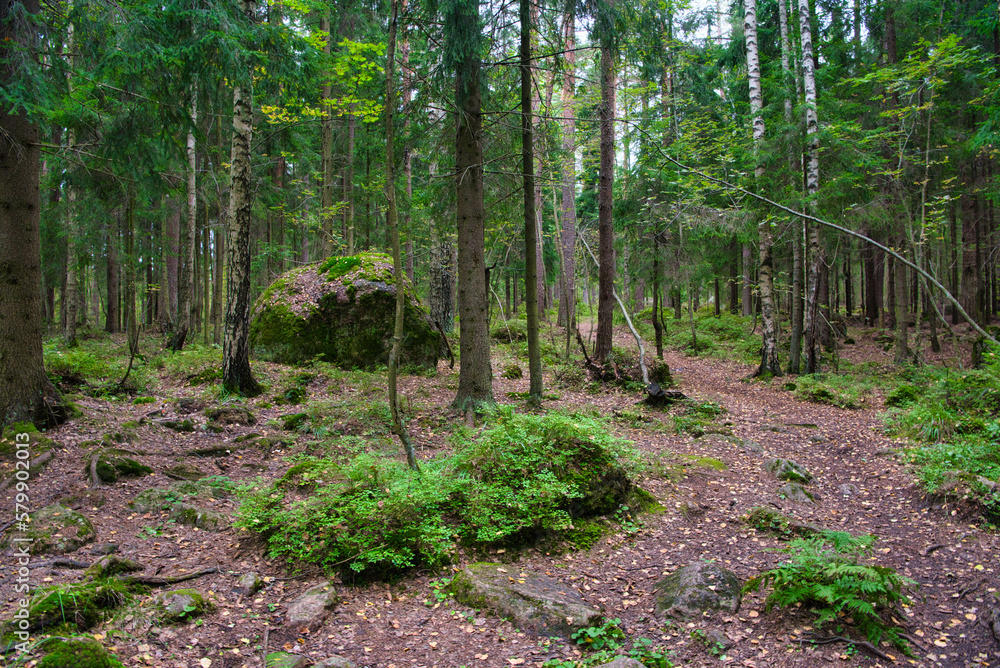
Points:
[(312, 607), (787, 469), (796, 492), (249, 584), (54, 529), (817, 439), (285, 660), (532, 602), (750, 447), (104, 548), (162, 498), (196, 516), (622, 662), (184, 472), (111, 565), (334, 662), (718, 639), (847, 489), (231, 415), (697, 588)]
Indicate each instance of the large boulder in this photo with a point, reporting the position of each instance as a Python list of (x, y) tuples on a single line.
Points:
[(53, 529), (343, 309), (533, 602)]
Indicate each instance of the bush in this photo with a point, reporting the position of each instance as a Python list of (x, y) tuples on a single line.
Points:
[(526, 478), (838, 391), (824, 575)]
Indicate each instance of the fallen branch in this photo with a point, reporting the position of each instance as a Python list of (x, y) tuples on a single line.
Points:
[(155, 581), (863, 644), (931, 549), (61, 562), (39, 460), (968, 590)]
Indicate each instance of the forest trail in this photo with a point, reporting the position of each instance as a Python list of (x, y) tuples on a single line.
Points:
[(863, 486)]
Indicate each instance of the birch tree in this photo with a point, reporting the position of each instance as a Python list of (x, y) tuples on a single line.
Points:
[(816, 259)]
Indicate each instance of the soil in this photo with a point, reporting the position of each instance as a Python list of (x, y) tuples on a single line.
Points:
[(944, 547)]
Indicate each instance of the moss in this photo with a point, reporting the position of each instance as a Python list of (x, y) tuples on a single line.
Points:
[(139, 401), (231, 415), (706, 462), (770, 521), (55, 529), (162, 498), (293, 422), (335, 267), (79, 606), (74, 653), (111, 565)]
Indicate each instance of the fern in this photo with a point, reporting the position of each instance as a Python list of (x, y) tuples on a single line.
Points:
[(824, 575)]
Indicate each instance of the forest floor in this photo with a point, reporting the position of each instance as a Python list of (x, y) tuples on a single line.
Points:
[(862, 480)]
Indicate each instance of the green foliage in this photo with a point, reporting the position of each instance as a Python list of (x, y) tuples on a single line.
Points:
[(823, 573), (604, 636), (526, 478), (829, 389), (713, 646), (903, 395), (337, 266)]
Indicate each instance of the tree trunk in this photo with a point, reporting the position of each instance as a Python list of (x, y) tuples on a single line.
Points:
[(349, 188), (236, 374), (217, 283), (657, 305), (187, 284), (605, 191), (475, 383), (902, 350), (567, 304), (404, 56), (170, 241), (26, 395), (531, 245), (112, 321), (392, 218), (747, 282), (816, 259), (326, 146), (769, 365)]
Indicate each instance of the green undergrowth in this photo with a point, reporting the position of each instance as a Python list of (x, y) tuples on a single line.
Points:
[(526, 480), (831, 574), (953, 416), (843, 391), (96, 365)]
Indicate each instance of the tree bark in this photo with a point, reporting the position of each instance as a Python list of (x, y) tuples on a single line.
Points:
[(747, 282), (349, 188), (902, 349), (236, 374), (605, 191), (26, 395)]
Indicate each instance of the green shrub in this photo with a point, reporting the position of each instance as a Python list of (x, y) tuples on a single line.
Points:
[(823, 573), (526, 478), (904, 395)]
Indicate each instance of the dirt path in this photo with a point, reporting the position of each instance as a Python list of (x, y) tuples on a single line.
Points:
[(863, 488)]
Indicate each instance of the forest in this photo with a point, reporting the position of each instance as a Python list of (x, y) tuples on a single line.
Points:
[(330, 328)]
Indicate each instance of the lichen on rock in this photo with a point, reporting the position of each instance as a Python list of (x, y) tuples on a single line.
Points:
[(343, 310)]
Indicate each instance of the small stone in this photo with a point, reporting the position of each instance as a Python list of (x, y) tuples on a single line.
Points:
[(622, 662), (248, 584), (104, 548), (787, 469), (697, 588), (285, 660), (796, 492), (111, 565), (334, 662), (534, 602), (312, 607), (181, 604), (848, 489), (184, 471)]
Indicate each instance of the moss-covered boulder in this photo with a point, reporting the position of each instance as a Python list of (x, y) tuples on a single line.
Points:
[(788, 469), (162, 498), (342, 309), (285, 660), (76, 607), (54, 529), (79, 652), (530, 601), (112, 465), (181, 604), (196, 516), (110, 565), (231, 415)]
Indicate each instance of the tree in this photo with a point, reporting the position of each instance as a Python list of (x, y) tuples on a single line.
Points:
[(186, 285), (769, 331), (605, 186), (392, 216), (530, 236), (812, 312), (236, 374), (26, 395), (567, 305), (463, 53)]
